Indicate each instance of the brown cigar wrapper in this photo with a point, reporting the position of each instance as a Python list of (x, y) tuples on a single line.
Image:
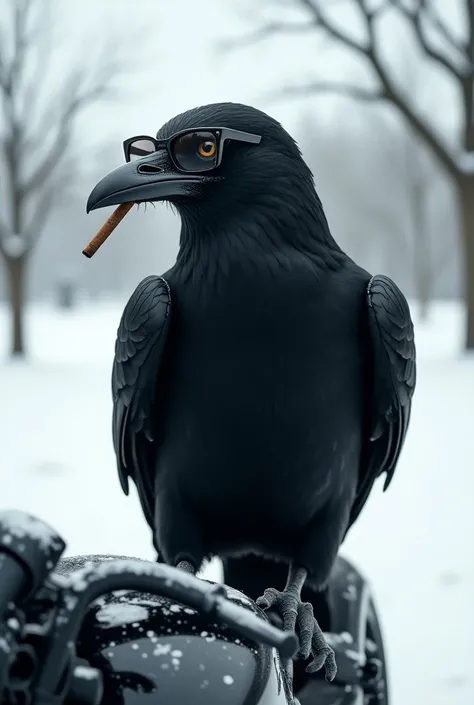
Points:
[(108, 227)]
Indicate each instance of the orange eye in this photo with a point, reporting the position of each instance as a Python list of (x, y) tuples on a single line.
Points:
[(207, 149)]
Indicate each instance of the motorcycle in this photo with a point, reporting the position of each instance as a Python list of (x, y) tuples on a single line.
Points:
[(109, 630)]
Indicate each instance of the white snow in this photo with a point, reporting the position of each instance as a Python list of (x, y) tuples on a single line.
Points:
[(113, 615), (86, 673), (162, 649), (14, 245), (21, 525), (415, 542)]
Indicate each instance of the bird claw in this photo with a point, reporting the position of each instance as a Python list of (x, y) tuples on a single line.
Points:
[(312, 642), (323, 656)]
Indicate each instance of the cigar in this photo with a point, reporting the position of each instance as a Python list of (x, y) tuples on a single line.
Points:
[(108, 227)]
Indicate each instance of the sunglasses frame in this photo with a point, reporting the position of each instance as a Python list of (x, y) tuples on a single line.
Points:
[(221, 134)]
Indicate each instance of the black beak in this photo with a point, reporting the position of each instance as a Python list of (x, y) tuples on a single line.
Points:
[(152, 178)]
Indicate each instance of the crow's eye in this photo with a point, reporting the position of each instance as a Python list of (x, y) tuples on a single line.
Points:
[(207, 149), (195, 151)]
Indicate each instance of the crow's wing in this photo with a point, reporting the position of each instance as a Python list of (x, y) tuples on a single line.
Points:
[(392, 379), (139, 350)]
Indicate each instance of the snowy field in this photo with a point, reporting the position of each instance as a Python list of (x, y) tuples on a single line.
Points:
[(416, 542)]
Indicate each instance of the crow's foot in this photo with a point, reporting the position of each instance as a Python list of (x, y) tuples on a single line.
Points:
[(312, 642)]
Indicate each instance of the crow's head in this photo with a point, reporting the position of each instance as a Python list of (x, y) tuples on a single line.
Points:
[(224, 158)]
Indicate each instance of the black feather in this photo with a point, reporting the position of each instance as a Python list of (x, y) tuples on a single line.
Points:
[(392, 380), (139, 348)]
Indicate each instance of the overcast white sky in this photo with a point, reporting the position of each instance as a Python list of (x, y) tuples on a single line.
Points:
[(175, 62), (177, 66)]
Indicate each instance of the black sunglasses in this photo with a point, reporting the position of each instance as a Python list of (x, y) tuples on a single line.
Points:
[(194, 150)]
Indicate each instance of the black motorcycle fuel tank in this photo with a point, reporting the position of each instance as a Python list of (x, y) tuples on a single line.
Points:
[(151, 650)]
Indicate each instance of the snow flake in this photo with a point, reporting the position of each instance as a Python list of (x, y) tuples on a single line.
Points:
[(86, 673), (114, 615)]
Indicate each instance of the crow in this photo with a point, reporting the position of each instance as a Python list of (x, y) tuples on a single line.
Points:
[(263, 383)]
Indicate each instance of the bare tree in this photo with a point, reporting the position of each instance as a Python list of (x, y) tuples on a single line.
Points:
[(417, 176), (36, 135), (418, 180), (405, 219), (440, 46)]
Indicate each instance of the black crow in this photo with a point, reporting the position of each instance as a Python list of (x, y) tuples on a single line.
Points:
[(264, 382)]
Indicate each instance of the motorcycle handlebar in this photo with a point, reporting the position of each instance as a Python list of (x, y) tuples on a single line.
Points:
[(29, 553)]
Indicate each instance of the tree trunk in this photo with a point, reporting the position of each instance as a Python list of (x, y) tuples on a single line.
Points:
[(16, 273), (424, 299), (422, 265), (467, 225)]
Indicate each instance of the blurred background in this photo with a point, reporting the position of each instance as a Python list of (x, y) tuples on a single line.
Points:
[(379, 96)]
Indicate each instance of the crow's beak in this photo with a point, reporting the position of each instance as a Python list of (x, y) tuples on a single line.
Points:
[(152, 178)]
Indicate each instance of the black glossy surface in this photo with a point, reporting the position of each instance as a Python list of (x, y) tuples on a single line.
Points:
[(146, 645), (150, 647)]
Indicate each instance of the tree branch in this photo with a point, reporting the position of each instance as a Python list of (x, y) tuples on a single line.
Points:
[(468, 85), (40, 214), (415, 18), (338, 87), (265, 32), (3, 69), (72, 98), (20, 43), (60, 143), (42, 47), (3, 236), (31, 194), (319, 20), (445, 32)]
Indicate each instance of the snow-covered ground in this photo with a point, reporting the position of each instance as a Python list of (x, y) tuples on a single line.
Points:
[(416, 542)]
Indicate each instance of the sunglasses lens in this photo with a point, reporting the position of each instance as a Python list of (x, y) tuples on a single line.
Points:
[(140, 148), (195, 151)]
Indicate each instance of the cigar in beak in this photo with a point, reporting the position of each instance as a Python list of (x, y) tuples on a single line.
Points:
[(149, 179), (108, 227)]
